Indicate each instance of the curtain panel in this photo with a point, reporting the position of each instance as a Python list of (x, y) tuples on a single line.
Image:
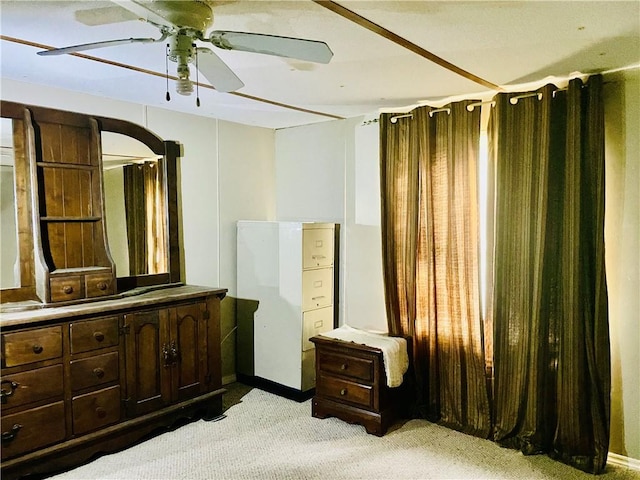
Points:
[(548, 295), (430, 252), (533, 371)]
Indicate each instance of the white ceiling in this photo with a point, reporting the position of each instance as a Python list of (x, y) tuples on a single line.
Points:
[(506, 43)]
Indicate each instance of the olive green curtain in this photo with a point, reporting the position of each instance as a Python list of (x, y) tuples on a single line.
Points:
[(430, 257), (145, 217), (548, 295)]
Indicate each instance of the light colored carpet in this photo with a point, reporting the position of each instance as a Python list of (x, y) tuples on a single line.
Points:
[(270, 437)]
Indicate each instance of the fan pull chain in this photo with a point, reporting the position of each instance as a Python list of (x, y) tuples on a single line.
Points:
[(197, 78), (166, 66)]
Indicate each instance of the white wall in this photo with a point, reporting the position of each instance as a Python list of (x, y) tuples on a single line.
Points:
[(622, 234)]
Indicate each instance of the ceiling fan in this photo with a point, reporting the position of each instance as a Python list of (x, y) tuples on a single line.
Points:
[(182, 23)]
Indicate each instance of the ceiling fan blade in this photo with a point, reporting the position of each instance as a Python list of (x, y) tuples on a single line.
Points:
[(104, 16), (91, 46), (299, 48), (145, 13), (217, 72)]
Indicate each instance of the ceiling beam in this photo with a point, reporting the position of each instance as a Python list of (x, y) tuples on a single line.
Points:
[(171, 77), (389, 35)]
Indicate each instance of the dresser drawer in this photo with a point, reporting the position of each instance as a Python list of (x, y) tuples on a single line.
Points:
[(355, 367), (345, 391), (68, 287), (30, 346), (96, 409), (99, 284), (93, 371), (317, 288), (26, 431), (93, 334), (31, 386)]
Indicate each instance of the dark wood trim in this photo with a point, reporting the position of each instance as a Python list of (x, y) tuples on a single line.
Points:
[(276, 388), (172, 154), (403, 42)]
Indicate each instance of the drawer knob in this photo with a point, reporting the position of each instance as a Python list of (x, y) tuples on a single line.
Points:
[(5, 394), (102, 286), (101, 412), (98, 372), (67, 289), (11, 435), (99, 336), (344, 366), (343, 392), (37, 349)]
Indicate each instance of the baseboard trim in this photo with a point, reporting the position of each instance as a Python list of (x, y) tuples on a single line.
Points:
[(622, 461), (227, 379)]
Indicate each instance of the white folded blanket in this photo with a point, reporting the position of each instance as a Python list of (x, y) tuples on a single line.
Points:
[(394, 349)]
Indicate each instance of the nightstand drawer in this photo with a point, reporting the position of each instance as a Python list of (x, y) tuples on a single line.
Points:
[(31, 386), (32, 429), (350, 366), (345, 391), (93, 334), (31, 346), (93, 371), (96, 409)]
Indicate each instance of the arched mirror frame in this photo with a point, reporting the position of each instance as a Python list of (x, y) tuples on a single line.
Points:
[(170, 150)]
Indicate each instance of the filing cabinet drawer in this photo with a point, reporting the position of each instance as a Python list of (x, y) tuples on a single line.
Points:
[(93, 334), (317, 247), (99, 284), (351, 366), (345, 391), (26, 431), (317, 288), (30, 346), (96, 409), (93, 371), (66, 288), (314, 323), (31, 386)]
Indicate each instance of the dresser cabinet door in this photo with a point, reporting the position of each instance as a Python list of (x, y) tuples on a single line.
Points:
[(148, 361)]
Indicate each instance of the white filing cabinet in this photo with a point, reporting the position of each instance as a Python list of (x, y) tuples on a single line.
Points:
[(288, 267)]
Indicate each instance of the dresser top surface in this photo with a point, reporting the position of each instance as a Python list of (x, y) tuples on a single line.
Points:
[(24, 313)]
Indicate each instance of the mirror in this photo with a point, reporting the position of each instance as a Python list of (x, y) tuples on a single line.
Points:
[(134, 206), (9, 256)]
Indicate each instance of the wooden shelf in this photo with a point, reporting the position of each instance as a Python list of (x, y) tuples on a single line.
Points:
[(69, 219), (74, 166)]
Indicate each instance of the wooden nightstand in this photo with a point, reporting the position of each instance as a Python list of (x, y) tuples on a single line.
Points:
[(351, 385)]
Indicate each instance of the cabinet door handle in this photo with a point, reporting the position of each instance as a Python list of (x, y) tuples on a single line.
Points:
[(170, 354), (5, 394), (99, 336), (37, 349), (166, 355), (9, 436), (175, 354)]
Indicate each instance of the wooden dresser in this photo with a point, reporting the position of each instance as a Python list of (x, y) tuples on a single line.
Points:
[(351, 385), (96, 354), (91, 378)]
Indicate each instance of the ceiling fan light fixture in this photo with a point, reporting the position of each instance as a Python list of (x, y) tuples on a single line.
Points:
[(184, 86)]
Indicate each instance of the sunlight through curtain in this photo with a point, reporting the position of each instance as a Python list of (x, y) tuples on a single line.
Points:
[(145, 216), (549, 297), (430, 255)]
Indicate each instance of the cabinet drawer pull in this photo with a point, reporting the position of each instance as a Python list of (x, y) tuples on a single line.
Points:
[(11, 435), (5, 394), (68, 289), (101, 412), (102, 286), (37, 349), (99, 336), (343, 392), (317, 298), (98, 372), (344, 366)]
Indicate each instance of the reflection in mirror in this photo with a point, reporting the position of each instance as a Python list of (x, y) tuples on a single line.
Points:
[(9, 259), (134, 206)]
